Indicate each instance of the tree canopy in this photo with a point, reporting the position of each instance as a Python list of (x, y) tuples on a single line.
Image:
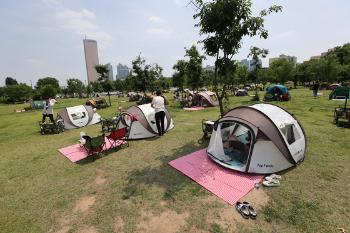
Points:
[(48, 81), (224, 23), (194, 68), (106, 84), (144, 75), (75, 86), (18, 93), (10, 81)]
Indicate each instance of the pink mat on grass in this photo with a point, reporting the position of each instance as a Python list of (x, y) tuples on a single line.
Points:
[(228, 185), (76, 152), (194, 108)]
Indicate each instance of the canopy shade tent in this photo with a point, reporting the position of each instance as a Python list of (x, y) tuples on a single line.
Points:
[(79, 116), (261, 138), (142, 123)]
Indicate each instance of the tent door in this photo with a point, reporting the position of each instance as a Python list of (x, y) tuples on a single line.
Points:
[(237, 140)]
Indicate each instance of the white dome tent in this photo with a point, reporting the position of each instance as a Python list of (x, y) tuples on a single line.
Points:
[(79, 116), (142, 123), (260, 139)]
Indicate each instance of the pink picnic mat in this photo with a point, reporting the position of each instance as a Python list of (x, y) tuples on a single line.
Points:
[(229, 185), (193, 108), (76, 152)]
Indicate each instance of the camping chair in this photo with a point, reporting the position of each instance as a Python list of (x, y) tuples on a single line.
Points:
[(116, 135), (94, 145)]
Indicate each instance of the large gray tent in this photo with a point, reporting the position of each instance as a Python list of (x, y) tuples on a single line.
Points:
[(261, 138)]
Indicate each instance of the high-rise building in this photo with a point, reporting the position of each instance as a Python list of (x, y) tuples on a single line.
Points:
[(289, 58), (122, 71), (249, 64), (245, 63), (91, 59), (110, 71)]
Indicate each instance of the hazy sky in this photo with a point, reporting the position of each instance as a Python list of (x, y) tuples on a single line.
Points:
[(42, 38)]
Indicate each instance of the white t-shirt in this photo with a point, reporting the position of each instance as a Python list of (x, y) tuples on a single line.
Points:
[(48, 108), (158, 104)]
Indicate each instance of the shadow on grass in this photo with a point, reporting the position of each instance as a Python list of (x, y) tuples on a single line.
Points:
[(94, 157), (163, 176)]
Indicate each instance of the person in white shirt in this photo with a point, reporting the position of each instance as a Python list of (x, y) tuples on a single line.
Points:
[(48, 110), (158, 105)]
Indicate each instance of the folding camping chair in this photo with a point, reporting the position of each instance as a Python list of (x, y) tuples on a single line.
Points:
[(116, 135), (94, 145)]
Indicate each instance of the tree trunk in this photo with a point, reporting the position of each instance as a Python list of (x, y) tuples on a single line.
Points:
[(222, 112)]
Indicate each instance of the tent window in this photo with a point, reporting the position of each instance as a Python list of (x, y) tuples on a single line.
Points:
[(291, 133), (78, 115), (236, 140), (213, 98)]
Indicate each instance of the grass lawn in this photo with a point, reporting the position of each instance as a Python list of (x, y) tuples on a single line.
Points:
[(134, 190)]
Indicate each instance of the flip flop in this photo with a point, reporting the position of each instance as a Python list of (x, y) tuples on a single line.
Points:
[(252, 212), (242, 209), (273, 176), (271, 183)]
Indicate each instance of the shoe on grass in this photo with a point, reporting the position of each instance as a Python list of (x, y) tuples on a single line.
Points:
[(273, 176), (252, 212), (242, 209), (271, 183)]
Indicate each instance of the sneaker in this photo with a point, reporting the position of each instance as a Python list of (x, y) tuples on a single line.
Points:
[(271, 183), (273, 176)]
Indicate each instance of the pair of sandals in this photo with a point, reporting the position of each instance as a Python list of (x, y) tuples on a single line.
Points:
[(246, 210), (272, 180)]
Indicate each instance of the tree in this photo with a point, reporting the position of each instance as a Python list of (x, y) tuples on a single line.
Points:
[(179, 77), (103, 71), (263, 74), (194, 68), (329, 68), (256, 53), (75, 86), (48, 91), (48, 81), (282, 70), (18, 93), (207, 76), (89, 90), (241, 74), (10, 81), (119, 85), (225, 23), (96, 86), (144, 76), (162, 83)]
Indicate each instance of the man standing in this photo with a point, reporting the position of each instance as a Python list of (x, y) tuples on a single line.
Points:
[(158, 105), (315, 88), (48, 110)]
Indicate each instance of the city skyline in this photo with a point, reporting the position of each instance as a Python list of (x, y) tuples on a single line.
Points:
[(43, 37)]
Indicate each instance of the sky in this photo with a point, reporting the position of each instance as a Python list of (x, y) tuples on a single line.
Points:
[(41, 38)]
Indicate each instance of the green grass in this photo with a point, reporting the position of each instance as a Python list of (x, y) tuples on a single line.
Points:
[(38, 186)]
